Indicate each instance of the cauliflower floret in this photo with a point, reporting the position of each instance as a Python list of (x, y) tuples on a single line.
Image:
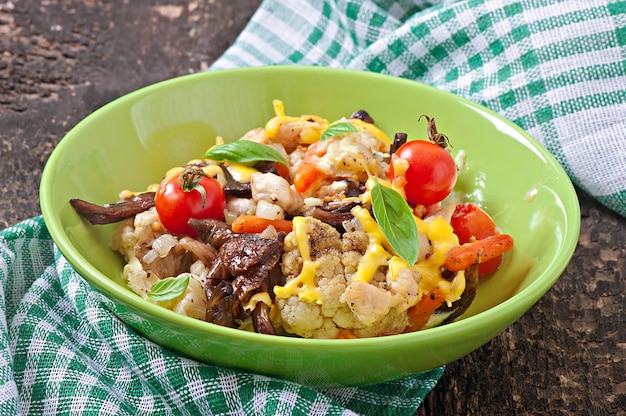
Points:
[(138, 280), (335, 303), (313, 319), (302, 318), (194, 301), (123, 239)]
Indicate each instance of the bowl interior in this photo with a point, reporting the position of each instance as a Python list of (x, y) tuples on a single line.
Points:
[(133, 141)]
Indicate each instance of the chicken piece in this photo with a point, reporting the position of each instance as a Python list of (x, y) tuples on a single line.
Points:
[(275, 190)]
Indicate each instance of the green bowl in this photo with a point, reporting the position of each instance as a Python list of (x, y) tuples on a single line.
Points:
[(132, 141)]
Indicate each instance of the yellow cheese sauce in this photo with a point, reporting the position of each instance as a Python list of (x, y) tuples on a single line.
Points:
[(379, 254), (304, 285), (442, 238), (312, 126)]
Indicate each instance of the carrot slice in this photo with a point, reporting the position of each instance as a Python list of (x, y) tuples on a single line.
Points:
[(421, 311), (254, 224), (462, 257), (345, 334), (306, 175), (282, 170)]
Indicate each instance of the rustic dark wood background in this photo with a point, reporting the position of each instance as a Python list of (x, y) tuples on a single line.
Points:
[(62, 59)]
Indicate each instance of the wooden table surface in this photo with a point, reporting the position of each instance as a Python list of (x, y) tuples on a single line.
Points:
[(61, 60)]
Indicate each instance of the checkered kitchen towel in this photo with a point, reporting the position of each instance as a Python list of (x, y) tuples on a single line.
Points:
[(557, 68), (62, 352)]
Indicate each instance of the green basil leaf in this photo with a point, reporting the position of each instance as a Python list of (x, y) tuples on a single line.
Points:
[(337, 129), (169, 288), (395, 220), (244, 151)]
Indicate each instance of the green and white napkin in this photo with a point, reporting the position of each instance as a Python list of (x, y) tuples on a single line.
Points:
[(63, 352), (556, 68)]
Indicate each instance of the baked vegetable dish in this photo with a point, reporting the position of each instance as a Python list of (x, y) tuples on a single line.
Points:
[(309, 228)]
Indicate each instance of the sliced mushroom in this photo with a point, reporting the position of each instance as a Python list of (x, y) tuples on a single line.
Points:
[(398, 140), (261, 319), (116, 212), (223, 306), (249, 259), (234, 187), (362, 115), (213, 232), (334, 219), (459, 307)]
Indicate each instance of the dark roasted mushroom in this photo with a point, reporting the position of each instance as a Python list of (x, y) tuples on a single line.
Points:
[(249, 259), (217, 273), (213, 232), (333, 214), (261, 319), (116, 212), (362, 115), (235, 188), (459, 307), (333, 218), (352, 188), (398, 140), (268, 167), (247, 264), (205, 252), (224, 308)]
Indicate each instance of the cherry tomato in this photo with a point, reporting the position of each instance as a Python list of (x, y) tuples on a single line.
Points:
[(188, 195), (470, 223), (430, 174)]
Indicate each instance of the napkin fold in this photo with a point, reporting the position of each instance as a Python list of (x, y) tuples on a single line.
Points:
[(63, 352), (557, 68)]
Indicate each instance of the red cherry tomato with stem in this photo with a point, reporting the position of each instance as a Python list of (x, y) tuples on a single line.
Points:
[(471, 223), (430, 171), (188, 195)]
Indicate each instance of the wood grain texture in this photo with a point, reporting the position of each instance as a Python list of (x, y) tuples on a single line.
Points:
[(61, 60)]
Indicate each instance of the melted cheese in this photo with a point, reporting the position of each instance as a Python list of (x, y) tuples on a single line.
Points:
[(371, 129), (241, 173), (375, 255), (304, 284), (378, 254), (442, 238), (369, 184), (256, 298), (312, 126), (441, 235)]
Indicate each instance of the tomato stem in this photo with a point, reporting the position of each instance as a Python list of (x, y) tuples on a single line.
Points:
[(190, 179), (434, 136)]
